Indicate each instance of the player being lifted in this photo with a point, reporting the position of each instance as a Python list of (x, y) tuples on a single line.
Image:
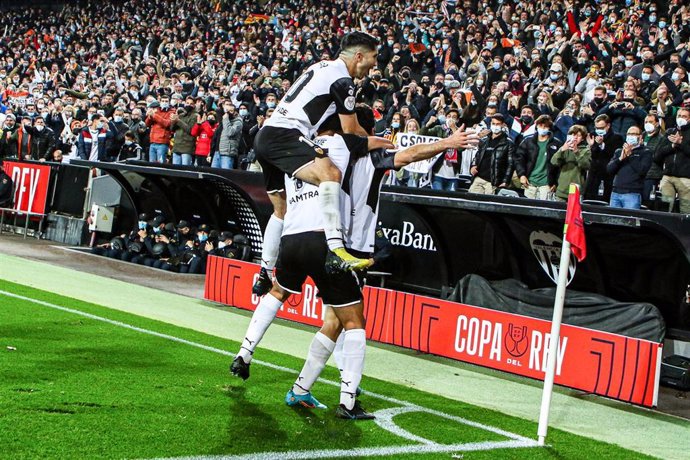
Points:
[(325, 88)]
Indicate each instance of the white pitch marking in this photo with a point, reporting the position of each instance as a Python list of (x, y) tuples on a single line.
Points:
[(368, 451), (384, 419), (427, 446)]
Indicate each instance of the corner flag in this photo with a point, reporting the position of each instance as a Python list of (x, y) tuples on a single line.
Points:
[(574, 226)]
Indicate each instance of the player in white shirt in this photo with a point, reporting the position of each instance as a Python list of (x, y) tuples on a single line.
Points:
[(324, 89), (302, 254)]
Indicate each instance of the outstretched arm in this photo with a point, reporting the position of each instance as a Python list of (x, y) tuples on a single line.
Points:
[(461, 139)]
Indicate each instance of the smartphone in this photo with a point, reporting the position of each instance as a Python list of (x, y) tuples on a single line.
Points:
[(570, 138)]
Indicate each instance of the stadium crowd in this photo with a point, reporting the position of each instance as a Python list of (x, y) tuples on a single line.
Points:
[(593, 92)]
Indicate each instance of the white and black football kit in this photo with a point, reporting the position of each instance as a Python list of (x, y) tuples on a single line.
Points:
[(303, 249), (324, 89)]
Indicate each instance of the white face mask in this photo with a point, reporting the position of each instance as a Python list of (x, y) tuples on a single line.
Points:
[(680, 122), (221, 244), (649, 128), (39, 128), (496, 129), (632, 140)]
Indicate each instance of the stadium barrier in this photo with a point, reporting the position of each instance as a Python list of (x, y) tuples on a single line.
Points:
[(440, 237), (602, 363)]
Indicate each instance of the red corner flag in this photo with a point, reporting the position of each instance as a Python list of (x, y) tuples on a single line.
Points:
[(574, 226)]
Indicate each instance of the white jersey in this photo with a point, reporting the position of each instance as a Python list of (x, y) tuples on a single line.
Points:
[(324, 89), (362, 184), (359, 199)]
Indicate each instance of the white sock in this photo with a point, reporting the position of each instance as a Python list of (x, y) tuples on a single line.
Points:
[(319, 352), (354, 347), (329, 200), (263, 316), (269, 251), (338, 351)]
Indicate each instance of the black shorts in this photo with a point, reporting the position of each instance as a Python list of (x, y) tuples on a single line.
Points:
[(279, 152), (304, 254)]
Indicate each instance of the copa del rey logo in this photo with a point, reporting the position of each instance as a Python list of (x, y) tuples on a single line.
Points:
[(408, 237), (515, 345), (546, 247)]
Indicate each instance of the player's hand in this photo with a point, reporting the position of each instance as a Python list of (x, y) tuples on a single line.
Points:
[(462, 139)]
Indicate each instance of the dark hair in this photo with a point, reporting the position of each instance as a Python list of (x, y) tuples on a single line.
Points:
[(544, 120), (130, 135), (499, 117), (365, 117), (359, 39), (331, 123), (605, 118)]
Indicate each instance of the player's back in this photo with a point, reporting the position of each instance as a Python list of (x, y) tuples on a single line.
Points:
[(323, 89), (363, 185)]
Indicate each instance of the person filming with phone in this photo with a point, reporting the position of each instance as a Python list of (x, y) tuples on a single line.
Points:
[(574, 158)]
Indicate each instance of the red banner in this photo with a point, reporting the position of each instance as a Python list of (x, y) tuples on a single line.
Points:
[(597, 362), (31, 182)]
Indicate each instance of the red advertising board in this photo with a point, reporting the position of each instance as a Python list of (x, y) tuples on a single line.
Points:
[(597, 362), (31, 182)]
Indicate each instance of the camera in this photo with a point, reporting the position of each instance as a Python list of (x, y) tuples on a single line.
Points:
[(671, 131)]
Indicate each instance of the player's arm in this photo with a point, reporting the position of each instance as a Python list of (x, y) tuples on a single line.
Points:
[(343, 94), (375, 142), (350, 125), (460, 139)]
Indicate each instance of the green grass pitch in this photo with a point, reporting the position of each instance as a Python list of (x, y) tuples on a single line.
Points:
[(74, 386)]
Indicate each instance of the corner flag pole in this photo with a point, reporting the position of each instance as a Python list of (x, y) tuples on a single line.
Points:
[(573, 232), (553, 343)]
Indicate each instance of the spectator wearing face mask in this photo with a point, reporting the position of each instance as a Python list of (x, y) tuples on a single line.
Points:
[(130, 150), (42, 141), (203, 132), (655, 140), (8, 147), (181, 123), (538, 176), (676, 164), (158, 120), (91, 143), (226, 139), (629, 166), (573, 159), (118, 127), (493, 164), (603, 145)]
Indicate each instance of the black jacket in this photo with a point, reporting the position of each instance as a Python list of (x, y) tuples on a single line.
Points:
[(526, 157), (502, 151), (676, 158), (602, 156), (6, 190), (42, 144), (630, 173)]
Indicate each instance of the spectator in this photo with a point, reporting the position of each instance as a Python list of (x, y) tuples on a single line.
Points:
[(538, 176), (130, 150), (6, 188), (629, 167), (158, 120), (227, 138), (603, 144), (492, 167), (676, 164), (181, 123), (91, 144), (8, 144), (655, 140), (573, 159), (203, 132)]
